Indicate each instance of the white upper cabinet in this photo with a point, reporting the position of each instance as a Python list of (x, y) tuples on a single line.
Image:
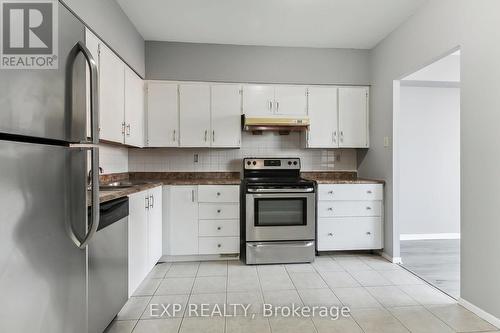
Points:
[(353, 117), (111, 95), (290, 101), (162, 115), (267, 100), (323, 112), (258, 99), (121, 96), (134, 109), (226, 115), (194, 114)]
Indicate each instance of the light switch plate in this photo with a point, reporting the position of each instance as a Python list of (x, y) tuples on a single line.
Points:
[(387, 142)]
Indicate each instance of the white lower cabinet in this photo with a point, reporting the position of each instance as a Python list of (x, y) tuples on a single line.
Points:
[(144, 235), (350, 217), (181, 220), (201, 219), (349, 233)]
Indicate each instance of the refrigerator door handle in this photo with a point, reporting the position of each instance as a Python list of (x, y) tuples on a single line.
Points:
[(92, 146)]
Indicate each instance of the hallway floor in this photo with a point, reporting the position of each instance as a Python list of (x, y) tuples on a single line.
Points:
[(381, 296), (436, 261)]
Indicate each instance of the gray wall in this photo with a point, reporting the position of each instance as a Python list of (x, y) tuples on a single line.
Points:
[(232, 63), (429, 160), (108, 20), (437, 28)]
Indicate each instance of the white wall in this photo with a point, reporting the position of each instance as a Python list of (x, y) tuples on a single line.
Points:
[(429, 160), (440, 26), (446, 69), (266, 145)]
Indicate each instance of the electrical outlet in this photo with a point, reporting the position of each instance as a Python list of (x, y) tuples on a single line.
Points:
[(195, 159), (387, 142)]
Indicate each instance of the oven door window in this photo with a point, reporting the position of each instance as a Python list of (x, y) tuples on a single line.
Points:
[(280, 212)]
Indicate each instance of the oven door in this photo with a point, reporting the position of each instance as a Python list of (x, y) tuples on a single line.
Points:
[(280, 216)]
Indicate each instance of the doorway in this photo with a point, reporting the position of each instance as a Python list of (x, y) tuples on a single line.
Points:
[(427, 172)]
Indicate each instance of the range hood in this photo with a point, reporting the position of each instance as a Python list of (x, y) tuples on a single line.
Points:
[(281, 124)]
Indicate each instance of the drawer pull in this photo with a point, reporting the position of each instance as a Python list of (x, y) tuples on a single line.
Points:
[(219, 228), (369, 192), (330, 234), (218, 211), (330, 209), (368, 233), (330, 192), (219, 245), (218, 194), (368, 208)]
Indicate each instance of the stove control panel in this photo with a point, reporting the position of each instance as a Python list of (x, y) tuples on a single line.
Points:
[(271, 163)]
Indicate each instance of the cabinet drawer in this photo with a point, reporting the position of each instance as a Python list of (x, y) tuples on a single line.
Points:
[(219, 228), (350, 192), (214, 211), (218, 193), (349, 233), (349, 208), (218, 245)]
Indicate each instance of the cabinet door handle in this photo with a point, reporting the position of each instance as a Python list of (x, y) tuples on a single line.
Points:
[(206, 133), (173, 136), (147, 202), (218, 194), (192, 195), (270, 105), (219, 245), (218, 211), (213, 135), (128, 129), (152, 201), (369, 192), (330, 234), (368, 208), (334, 136), (123, 127), (330, 209), (368, 233), (219, 228), (277, 106), (330, 192)]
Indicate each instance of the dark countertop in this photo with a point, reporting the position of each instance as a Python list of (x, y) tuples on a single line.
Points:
[(339, 177), (155, 179)]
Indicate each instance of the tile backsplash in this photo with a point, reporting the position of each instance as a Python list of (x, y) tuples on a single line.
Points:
[(113, 159), (269, 144)]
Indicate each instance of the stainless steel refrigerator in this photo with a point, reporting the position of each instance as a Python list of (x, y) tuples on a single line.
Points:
[(45, 151)]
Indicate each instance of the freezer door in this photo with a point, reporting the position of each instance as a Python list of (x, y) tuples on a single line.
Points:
[(32, 101), (42, 272)]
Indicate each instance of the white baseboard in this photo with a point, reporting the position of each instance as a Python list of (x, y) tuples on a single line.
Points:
[(394, 260), (198, 257), (429, 236), (480, 312)]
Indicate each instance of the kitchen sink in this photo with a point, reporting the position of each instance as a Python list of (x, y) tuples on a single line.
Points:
[(120, 185)]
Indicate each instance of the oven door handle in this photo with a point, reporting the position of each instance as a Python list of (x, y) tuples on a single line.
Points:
[(281, 190)]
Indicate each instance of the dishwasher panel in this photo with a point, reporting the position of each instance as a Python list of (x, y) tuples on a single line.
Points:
[(108, 265)]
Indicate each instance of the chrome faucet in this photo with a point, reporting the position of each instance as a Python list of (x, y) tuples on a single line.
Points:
[(89, 177)]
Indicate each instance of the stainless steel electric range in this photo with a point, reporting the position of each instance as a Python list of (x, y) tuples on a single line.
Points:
[(278, 212)]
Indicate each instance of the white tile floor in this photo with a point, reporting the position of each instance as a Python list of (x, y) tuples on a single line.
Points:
[(382, 297)]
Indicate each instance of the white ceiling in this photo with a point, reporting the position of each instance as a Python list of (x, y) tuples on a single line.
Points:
[(359, 24)]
